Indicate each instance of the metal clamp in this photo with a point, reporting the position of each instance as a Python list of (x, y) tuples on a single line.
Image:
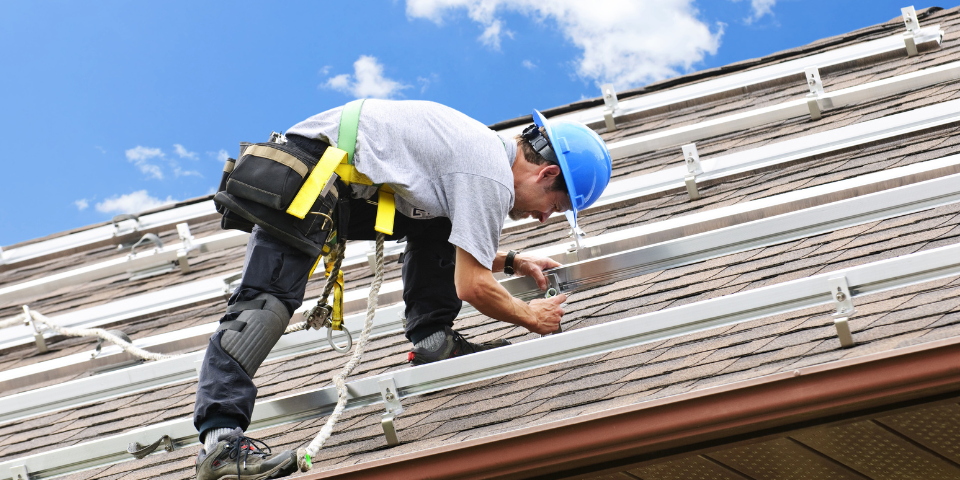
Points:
[(183, 230), (99, 349), (692, 161), (19, 472), (610, 101), (126, 216), (140, 451), (812, 75), (912, 23), (230, 283), (37, 334), (149, 237), (553, 289), (843, 300), (391, 400)]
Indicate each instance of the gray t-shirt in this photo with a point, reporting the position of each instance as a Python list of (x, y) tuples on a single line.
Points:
[(440, 163)]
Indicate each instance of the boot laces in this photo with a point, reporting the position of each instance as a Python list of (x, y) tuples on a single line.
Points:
[(242, 446)]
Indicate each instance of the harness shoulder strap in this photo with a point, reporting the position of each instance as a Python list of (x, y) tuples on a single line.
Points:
[(349, 124), (347, 141)]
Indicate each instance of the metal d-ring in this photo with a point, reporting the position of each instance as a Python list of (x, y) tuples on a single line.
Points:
[(333, 344), (326, 218)]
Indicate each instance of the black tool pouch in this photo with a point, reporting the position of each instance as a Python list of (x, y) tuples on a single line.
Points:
[(261, 186)]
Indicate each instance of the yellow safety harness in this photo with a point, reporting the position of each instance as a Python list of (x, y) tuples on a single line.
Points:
[(339, 160)]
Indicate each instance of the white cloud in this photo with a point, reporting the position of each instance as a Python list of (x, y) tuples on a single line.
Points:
[(223, 156), (624, 42), (141, 156), (367, 81), (82, 204), (528, 65), (760, 8), (179, 172), (425, 82), (98, 147), (184, 153), (135, 202)]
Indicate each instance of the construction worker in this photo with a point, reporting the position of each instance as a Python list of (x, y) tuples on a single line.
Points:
[(452, 180)]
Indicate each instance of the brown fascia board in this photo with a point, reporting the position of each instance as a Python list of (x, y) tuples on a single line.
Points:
[(781, 399)]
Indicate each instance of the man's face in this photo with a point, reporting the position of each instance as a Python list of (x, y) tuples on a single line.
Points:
[(534, 199)]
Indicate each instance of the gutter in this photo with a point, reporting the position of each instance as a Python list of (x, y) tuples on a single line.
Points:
[(775, 400)]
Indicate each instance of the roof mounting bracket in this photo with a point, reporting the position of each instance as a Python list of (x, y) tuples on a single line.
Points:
[(610, 102), (812, 75), (912, 23), (182, 255), (2, 260), (230, 283), (692, 160), (843, 300), (37, 334), (140, 451), (391, 400), (120, 218), (19, 472)]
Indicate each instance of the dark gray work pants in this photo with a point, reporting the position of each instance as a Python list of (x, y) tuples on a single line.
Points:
[(226, 394)]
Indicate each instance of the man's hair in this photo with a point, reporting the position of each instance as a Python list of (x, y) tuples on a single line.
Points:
[(531, 155)]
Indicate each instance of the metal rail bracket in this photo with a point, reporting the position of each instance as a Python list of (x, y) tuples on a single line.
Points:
[(610, 104), (912, 23), (812, 75), (692, 160), (843, 300), (183, 254), (19, 472), (140, 451), (391, 400)]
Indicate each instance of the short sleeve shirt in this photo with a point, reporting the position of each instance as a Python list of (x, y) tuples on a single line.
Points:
[(440, 163)]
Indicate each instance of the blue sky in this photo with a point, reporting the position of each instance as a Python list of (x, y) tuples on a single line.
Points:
[(112, 106)]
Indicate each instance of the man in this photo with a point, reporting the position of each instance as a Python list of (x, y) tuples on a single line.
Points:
[(454, 182)]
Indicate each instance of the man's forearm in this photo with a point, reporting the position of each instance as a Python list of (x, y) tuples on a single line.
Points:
[(494, 301)]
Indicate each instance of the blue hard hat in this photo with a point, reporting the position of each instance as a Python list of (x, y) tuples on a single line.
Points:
[(583, 157)]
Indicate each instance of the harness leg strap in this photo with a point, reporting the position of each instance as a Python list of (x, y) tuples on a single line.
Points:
[(250, 337)]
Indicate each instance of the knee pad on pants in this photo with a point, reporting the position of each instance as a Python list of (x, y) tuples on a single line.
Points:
[(250, 337)]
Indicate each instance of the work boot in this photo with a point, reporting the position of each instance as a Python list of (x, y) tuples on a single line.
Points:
[(239, 458), (454, 345)]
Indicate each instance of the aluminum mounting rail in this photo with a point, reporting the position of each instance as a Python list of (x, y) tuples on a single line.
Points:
[(138, 261), (617, 258), (763, 302), (208, 289), (784, 111), (776, 153), (115, 232), (632, 107)]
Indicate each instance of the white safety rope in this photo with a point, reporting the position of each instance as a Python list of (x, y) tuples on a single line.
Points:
[(304, 455), (126, 346)]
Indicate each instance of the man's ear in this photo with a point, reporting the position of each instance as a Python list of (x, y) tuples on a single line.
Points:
[(548, 173)]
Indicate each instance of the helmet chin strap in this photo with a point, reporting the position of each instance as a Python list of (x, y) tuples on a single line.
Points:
[(577, 233), (540, 143)]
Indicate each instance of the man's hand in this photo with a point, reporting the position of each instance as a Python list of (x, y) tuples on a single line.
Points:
[(547, 312), (533, 266)]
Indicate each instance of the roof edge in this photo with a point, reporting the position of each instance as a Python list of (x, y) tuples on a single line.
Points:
[(775, 400)]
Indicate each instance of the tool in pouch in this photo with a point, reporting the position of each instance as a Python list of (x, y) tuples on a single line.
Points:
[(337, 162)]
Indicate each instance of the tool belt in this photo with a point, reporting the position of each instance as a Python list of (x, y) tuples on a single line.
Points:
[(295, 196)]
